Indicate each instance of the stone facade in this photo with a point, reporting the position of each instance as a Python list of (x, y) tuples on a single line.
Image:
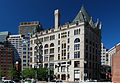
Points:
[(104, 55), (73, 50)]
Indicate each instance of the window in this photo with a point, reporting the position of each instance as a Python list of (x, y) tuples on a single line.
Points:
[(68, 40), (40, 47), (62, 68), (52, 50), (68, 55), (68, 33), (24, 52), (59, 36), (46, 51), (77, 47), (46, 46), (63, 77), (58, 49), (51, 57), (77, 54), (77, 31), (77, 64), (68, 49), (46, 58), (68, 68), (24, 60), (77, 40), (52, 37), (46, 38), (58, 42), (24, 64), (64, 45), (41, 39), (58, 69), (51, 45), (24, 48), (76, 75), (58, 56), (24, 56)]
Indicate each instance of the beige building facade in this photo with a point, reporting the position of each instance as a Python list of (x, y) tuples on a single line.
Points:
[(73, 50)]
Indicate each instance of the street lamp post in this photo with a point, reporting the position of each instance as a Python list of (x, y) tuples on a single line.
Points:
[(48, 67)]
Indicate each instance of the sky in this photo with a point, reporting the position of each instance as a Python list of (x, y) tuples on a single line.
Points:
[(12, 12)]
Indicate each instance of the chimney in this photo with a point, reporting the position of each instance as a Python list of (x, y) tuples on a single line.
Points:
[(57, 18)]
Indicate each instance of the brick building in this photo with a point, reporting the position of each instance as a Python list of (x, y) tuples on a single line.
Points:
[(116, 65), (6, 60)]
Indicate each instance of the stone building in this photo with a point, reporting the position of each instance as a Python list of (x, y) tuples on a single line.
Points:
[(72, 49), (104, 55)]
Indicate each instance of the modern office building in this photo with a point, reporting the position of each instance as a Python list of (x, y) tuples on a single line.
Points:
[(21, 45), (25, 52), (104, 55), (15, 42), (72, 49), (26, 28)]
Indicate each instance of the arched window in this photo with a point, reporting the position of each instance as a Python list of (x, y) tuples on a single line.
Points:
[(35, 48), (51, 45), (41, 47), (77, 40), (77, 48), (46, 46)]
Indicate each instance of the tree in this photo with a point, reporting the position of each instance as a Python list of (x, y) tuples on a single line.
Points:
[(1, 73), (42, 74), (28, 73), (13, 73)]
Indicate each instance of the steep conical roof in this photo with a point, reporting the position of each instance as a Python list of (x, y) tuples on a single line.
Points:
[(82, 16)]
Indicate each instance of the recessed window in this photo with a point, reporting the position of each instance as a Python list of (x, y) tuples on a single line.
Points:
[(46, 46), (77, 64), (77, 54), (51, 45)]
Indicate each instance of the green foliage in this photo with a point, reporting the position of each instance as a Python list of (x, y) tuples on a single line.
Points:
[(1, 73), (28, 73), (42, 74), (13, 73)]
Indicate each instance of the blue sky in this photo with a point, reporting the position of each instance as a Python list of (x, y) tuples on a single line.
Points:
[(12, 12)]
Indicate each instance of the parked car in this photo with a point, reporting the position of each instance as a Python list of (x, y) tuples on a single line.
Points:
[(57, 81), (3, 78), (8, 81), (16, 80)]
